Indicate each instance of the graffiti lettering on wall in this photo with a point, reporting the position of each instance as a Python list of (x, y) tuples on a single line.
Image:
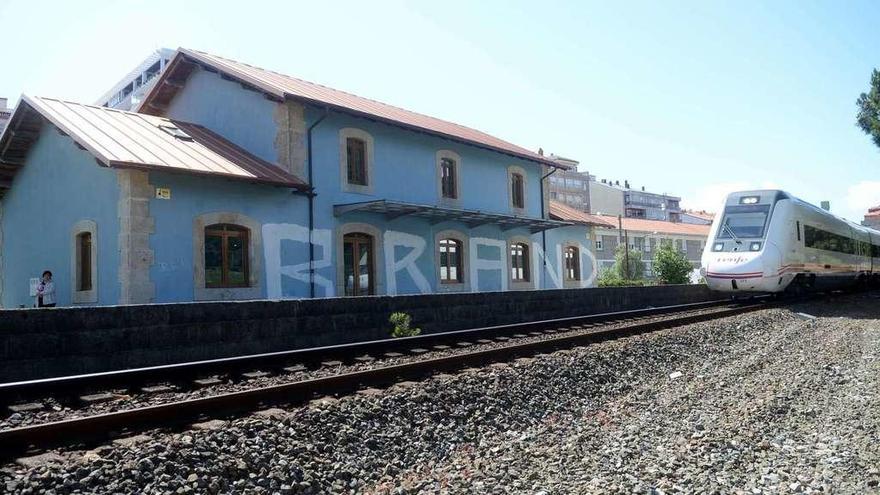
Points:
[(281, 264)]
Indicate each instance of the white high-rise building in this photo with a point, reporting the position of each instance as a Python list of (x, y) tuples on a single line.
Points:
[(129, 91), (5, 114)]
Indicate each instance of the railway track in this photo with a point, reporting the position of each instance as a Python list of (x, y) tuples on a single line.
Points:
[(509, 341)]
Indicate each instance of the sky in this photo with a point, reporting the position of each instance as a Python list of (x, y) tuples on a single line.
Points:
[(688, 98)]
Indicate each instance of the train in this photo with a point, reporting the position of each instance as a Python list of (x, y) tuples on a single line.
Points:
[(769, 241)]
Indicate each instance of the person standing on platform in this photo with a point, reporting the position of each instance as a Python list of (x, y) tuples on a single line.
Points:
[(46, 291)]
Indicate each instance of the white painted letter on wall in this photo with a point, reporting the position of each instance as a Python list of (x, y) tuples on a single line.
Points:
[(273, 235), (477, 263), (393, 239)]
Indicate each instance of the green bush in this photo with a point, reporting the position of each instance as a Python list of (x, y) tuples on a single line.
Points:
[(609, 278), (402, 322), (617, 276), (671, 266)]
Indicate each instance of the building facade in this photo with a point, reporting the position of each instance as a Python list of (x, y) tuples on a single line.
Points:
[(701, 217), (872, 217), (131, 89), (570, 186), (5, 113), (238, 183), (646, 236), (651, 206)]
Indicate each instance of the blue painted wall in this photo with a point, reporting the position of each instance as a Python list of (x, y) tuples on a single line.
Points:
[(191, 196), (405, 168), (58, 186), (241, 116)]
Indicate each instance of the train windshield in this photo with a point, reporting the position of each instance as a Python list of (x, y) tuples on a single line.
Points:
[(746, 221)]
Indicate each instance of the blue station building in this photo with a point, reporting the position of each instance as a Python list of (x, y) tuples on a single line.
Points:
[(232, 182)]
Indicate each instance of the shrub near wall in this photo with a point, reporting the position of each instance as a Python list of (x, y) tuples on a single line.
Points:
[(38, 343)]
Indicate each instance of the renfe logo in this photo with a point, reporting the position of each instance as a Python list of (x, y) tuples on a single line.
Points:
[(731, 259)]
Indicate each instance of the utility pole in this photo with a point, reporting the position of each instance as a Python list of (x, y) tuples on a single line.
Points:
[(622, 235)]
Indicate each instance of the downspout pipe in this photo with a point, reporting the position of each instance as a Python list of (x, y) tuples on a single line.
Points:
[(544, 232), (312, 202)]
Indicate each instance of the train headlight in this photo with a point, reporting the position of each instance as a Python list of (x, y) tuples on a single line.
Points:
[(719, 246), (755, 246)]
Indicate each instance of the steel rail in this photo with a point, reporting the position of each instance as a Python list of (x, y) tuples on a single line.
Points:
[(78, 432), (72, 385)]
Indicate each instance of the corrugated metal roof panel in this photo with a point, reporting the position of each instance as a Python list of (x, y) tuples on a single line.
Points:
[(659, 226), (126, 139), (562, 211), (283, 86)]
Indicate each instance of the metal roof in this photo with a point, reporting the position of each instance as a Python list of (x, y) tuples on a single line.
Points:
[(562, 211), (131, 140), (658, 226), (436, 214), (280, 86)]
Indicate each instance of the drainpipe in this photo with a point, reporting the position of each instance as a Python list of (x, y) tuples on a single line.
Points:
[(312, 204), (544, 232)]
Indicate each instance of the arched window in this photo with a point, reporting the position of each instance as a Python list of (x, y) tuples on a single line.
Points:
[(519, 262), (572, 258), (358, 264), (451, 266), (226, 256)]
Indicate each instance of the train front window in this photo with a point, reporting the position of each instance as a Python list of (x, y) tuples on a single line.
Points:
[(744, 222)]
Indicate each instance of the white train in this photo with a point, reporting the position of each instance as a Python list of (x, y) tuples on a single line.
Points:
[(770, 241)]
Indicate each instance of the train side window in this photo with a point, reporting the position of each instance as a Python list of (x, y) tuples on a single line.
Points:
[(799, 229)]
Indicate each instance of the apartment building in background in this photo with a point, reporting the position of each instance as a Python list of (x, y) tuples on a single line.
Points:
[(570, 187), (872, 217), (5, 113), (131, 89)]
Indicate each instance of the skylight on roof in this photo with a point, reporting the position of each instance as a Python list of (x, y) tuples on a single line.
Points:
[(175, 131)]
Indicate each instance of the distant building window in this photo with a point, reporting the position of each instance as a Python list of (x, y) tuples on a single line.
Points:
[(572, 264), (517, 190), (519, 262), (84, 261), (599, 245), (357, 161), (448, 179), (451, 270), (226, 256)]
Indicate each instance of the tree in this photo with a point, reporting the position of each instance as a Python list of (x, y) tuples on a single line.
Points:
[(868, 117), (671, 266)]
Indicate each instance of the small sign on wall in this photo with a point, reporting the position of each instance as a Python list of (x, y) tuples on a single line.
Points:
[(163, 193)]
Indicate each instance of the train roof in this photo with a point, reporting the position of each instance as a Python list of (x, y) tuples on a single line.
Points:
[(778, 195)]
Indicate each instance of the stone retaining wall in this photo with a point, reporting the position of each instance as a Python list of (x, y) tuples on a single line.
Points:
[(37, 343)]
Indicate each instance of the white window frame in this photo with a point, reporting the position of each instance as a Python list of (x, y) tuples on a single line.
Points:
[(464, 285), (600, 245), (523, 284)]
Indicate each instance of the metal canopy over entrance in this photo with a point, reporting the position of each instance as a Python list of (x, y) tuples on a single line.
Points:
[(437, 214)]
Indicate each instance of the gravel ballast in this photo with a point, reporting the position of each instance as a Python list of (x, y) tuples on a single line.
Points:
[(767, 402)]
